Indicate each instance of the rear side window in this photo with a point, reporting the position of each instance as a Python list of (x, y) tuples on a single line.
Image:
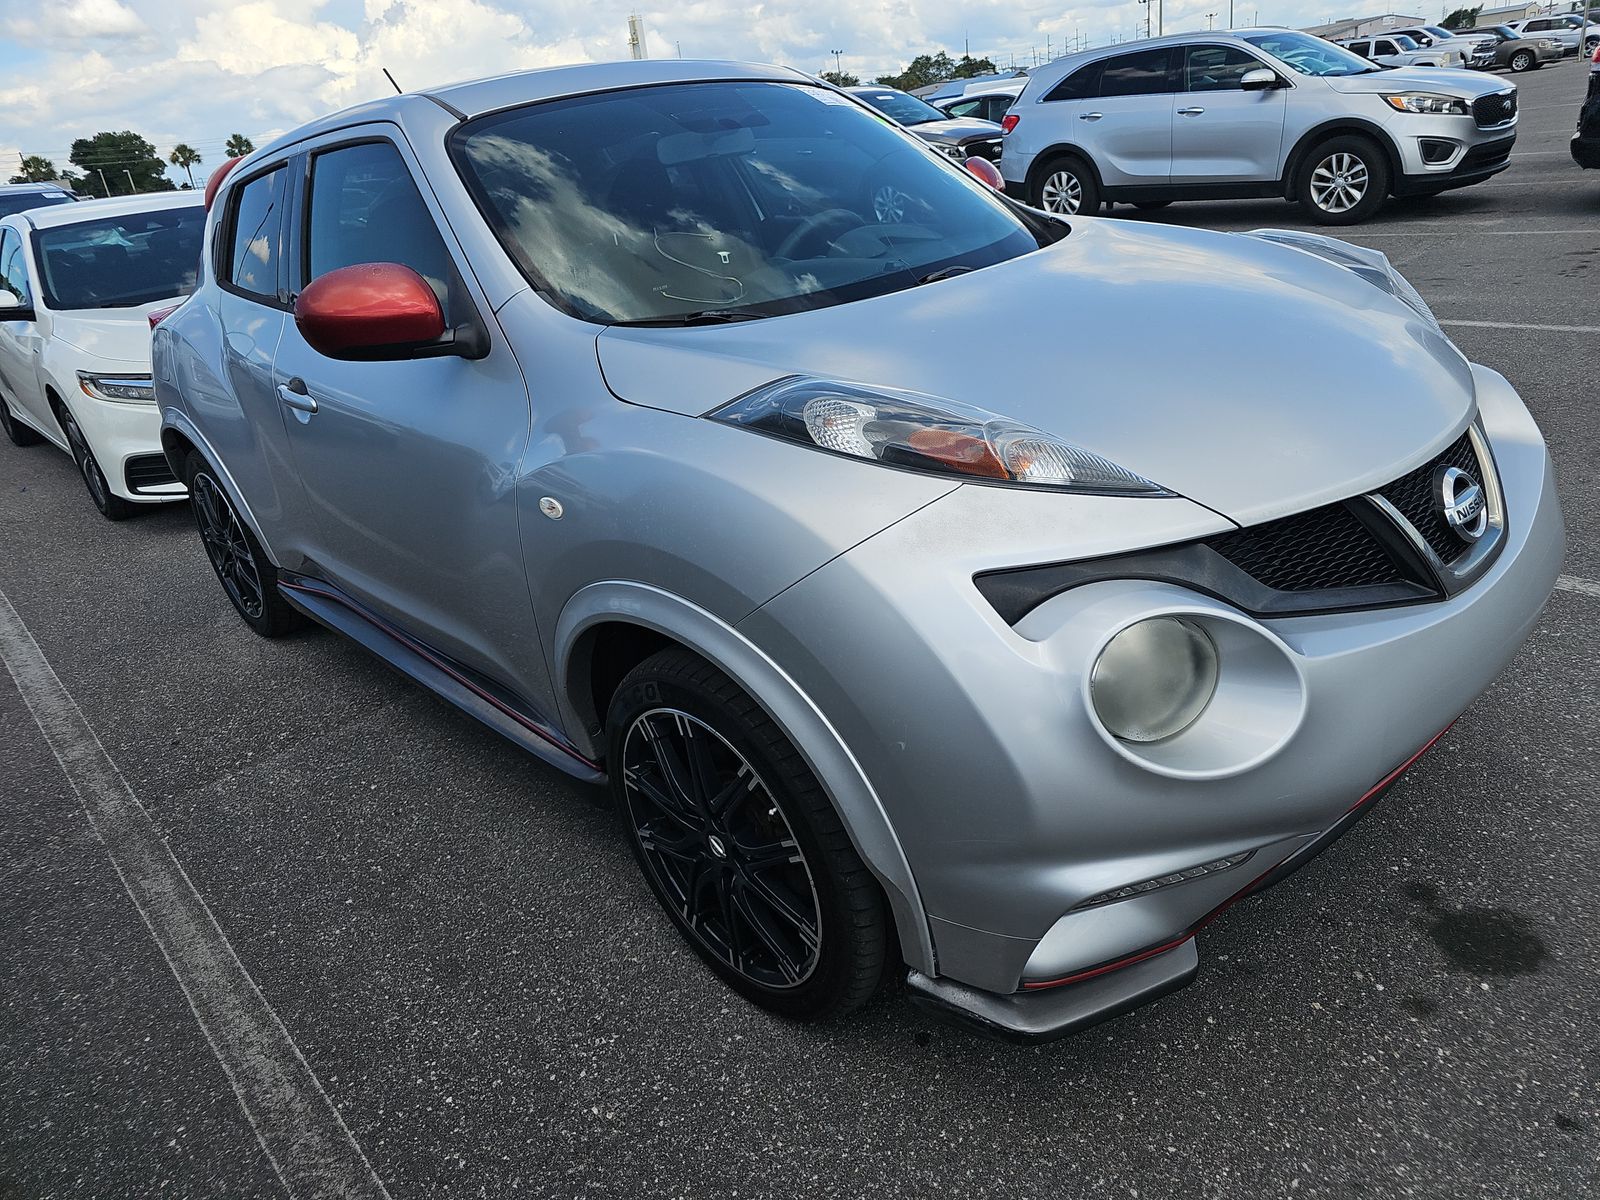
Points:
[(1142, 74), (1218, 68), (256, 235), (1082, 84), (365, 208)]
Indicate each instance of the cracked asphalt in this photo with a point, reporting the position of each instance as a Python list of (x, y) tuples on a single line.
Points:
[(458, 940)]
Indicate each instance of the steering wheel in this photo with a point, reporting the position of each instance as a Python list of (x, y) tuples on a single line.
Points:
[(829, 218)]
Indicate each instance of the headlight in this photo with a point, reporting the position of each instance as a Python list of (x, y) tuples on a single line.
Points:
[(1371, 265), (1429, 103), (124, 389), (1154, 679), (922, 433)]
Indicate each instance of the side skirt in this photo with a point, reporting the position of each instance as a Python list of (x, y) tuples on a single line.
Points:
[(500, 711)]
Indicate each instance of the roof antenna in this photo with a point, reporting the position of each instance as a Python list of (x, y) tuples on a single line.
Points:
[(392, 83)]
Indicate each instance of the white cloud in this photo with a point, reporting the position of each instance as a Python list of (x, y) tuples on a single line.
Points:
[(199, 70)]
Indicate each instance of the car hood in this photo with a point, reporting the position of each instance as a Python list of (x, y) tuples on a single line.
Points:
[(1251, 377), (956, 130), (1453, 81), (118, 335)]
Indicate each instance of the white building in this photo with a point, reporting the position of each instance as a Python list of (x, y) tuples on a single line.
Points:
[(1353, 27)]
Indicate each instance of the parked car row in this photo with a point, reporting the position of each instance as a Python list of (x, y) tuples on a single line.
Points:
[(615, 404)]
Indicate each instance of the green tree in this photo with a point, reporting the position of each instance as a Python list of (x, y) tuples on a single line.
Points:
[(839, 78), (239, 146), (109, 160), (185, 156), (1462, 18), (926, 69), (36, 169)]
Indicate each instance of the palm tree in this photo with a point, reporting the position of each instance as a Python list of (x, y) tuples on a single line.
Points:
[(185, 156), (239, 146)]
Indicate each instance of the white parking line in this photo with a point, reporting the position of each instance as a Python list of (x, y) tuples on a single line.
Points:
[(1584, 587), (1458, 232), (305, 1139), (1531, 328)]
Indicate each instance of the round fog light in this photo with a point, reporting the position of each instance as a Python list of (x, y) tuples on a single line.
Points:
[(1154, 679)]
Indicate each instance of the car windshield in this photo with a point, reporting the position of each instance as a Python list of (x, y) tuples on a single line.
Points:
[(120, 262), (1310, 55), (1437, 31), (22, 201), (1405, 43), (722, 201), (908, 110)]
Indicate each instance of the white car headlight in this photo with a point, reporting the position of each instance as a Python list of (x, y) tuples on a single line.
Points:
[(123, 389), (1429, 103), (1371, 265), (924, 433)]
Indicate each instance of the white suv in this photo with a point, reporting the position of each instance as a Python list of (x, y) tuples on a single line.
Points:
[(1258, 112), (1566, 28), (78, 284)]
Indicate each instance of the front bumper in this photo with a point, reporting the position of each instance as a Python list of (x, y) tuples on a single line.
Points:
[(1478, 155), (126, 440), (1010, 805)]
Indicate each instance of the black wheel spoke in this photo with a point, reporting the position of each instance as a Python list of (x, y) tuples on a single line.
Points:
[(719, 849), (228, 547)]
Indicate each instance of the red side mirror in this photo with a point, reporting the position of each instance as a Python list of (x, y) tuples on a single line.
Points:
[(986, 171), (217, 176), (367, 310)]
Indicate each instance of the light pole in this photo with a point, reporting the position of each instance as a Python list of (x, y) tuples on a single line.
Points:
[(1211, 20), (838, 69), (104, 186), (132, 187)]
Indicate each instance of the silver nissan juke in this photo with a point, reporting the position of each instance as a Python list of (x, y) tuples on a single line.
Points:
[(608, 403)]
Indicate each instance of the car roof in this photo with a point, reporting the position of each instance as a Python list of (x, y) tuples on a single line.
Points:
[(1054, 70), (476, 97), (13, 188), (120, 206)]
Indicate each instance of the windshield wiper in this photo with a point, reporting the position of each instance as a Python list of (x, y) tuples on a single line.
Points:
[(709, 316), (944, 273)]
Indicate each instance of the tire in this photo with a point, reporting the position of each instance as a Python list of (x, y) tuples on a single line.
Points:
[(766, 888), (1151, 205), (1522, 60), (20, 434), (110, 505), (1363, 169), (1067, 186), (247, 575)]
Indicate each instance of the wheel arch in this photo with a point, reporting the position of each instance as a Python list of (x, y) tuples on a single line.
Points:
[(179, 439), (1339, 127), (604, 624), (1045, 157)]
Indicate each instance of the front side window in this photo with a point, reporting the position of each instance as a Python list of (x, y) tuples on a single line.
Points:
[(365, 208), (256, 234), (23, 201), (685, 201), (13, 269), (1218, 68), (1309, 55), (1385, 48), (121, 262), (1142, 74)]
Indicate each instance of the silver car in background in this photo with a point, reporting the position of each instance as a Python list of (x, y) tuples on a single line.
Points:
[(1257, 112), (602, 401)]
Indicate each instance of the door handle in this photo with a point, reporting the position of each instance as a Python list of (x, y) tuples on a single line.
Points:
[(1090, 116), (294, 394), (1190, 112)]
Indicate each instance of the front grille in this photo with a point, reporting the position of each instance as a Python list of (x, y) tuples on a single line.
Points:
[(982, 148), (1319, 550), (1413, 495), (147, 471), (1494, 109)]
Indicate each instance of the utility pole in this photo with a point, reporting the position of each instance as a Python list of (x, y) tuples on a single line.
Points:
[(1230, 14), (838, 69)]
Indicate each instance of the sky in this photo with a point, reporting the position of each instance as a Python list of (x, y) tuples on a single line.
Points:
[(196, 71)]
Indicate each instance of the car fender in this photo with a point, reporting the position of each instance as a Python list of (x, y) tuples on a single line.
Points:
[(835, 767), (176, 430), (1333, 128), (1056, 150)]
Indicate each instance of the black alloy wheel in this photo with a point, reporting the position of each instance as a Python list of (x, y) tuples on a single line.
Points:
[(739, 843), (112, 507), (246, 574), (18, 433)]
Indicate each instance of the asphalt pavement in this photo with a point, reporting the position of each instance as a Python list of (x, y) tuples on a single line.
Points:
[(459, 943)]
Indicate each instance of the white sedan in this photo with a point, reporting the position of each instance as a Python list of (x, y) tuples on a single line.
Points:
[(78, 284)]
